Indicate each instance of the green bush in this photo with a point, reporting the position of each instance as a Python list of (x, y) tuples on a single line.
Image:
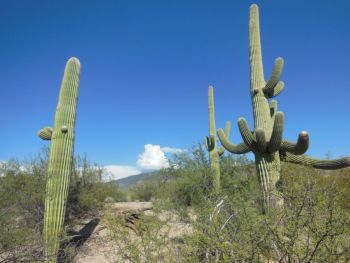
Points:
[(22, 195), (188, 182), (313, 226), (144, 190)]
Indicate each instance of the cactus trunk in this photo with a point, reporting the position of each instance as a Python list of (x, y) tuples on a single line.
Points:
[(213, 153), (268, 169), (211, 142), (267, 164), (61, 160)]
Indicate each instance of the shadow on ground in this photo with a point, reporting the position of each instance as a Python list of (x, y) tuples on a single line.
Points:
[(77, 239)]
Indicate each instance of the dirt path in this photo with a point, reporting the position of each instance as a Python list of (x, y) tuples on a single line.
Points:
[(99, 246)]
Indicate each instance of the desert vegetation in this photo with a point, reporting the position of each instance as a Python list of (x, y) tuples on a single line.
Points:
[(212, 204), (227, 226), (22, 197)]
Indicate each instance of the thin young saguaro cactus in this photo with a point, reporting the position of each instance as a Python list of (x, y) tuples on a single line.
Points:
[(211, 141), (61, 159), (266, 141)]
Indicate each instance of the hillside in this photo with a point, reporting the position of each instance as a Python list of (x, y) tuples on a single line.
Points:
[(132, 179)]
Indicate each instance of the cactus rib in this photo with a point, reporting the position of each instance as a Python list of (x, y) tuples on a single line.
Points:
[(260, 140)]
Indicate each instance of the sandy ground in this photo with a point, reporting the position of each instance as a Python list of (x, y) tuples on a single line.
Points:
[(99, 246)]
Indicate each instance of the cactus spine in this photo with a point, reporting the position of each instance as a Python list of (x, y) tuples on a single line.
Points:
[(211, 141), (266, 141), (61, 158)]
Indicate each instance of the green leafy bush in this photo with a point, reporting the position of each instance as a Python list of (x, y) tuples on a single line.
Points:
[(229, 226), (22, 194)]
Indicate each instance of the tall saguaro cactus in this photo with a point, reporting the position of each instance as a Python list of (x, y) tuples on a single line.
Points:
[(211, 141), (61, 158), (266, 141)]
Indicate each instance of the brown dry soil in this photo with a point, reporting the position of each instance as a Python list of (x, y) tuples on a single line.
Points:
[(96, 243)]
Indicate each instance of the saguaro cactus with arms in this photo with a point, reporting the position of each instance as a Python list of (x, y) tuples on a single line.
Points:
[(211, 141), (266, 141), (61, 158)]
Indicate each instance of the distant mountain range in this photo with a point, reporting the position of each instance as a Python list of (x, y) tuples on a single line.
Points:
[(131, 180)]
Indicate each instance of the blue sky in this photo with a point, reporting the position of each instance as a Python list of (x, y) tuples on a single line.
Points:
[(146, 66)]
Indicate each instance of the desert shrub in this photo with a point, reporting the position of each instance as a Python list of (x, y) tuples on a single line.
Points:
[(313, 225), (21, 206), (22, 195), (188, 182), (144, 190), (91, 197), (147, 241)]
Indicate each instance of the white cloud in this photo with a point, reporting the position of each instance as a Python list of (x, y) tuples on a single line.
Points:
[(153, 158), (172, 150), (115, 172)]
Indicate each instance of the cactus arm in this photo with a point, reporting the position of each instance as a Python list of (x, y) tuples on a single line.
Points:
[(277, 133), (209, 142), (276, 74), (314, 162), (45, 133), (233, 148), (296, 148), (275, 77), (227, 134), (221, 150), (273, 109), (260, 140), (227, 129), (61, 160), (277, 90), (246, 134)]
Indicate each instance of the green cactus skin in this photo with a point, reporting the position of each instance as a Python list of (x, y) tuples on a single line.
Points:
[(277, 132), (61, 159), (232, 148), (266, 141), (211, 141), (296, 148), (45, 133), (314, 162)]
